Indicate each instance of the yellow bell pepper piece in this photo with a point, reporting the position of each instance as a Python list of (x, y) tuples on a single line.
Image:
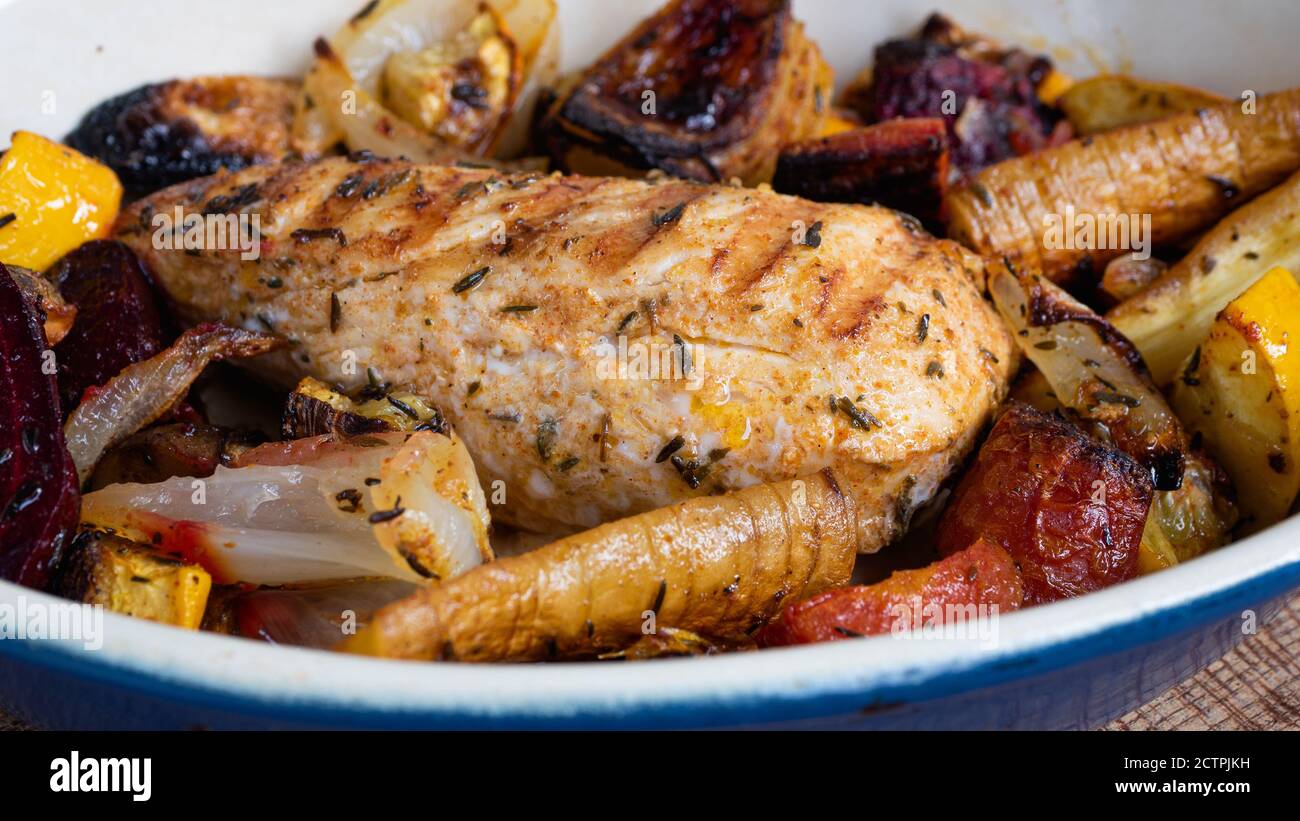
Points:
[(52, 199)]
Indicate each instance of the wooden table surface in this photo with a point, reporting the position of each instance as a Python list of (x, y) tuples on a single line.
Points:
[(1255, 687)]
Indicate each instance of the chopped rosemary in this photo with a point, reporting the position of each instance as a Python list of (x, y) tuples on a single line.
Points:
[(5, 219), (675, 444), (349, 500), (547, 431), (922, 327), (671, 215), (388, 515), (513, 417), (568, 464), (518, 309), (933, 370), (336, 312), (859, 418), (305, 235), (473, 388), (404, 408), (470, 281), (627, 320)]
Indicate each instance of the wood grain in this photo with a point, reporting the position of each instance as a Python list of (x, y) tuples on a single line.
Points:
[(1255, 687)]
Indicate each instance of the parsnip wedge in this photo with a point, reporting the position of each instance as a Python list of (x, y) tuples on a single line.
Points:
[(1240, 390), (1169, 318), (1114, 100)]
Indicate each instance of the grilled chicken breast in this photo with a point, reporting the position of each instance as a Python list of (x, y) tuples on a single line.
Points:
[(608, 346)]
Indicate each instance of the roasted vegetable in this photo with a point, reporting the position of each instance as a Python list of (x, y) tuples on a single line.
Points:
[(118, 323), (1240, 393), (947, 594), (1111, 101), (52, 199), (1171, 317), (1184, 172), (163, 451), (161, 134), (902, 164), (313, 409), (432, 80), (311, 615), (1093, 374), (146, 390), (133, 580), (315, 509), (1128, 275), (705, 89), (718, 566), (1069, 510), (987, 95), (55, 314), (38, 483)]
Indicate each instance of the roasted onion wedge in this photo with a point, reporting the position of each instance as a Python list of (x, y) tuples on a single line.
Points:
[(705, 89), (316, 509), (429, 79)]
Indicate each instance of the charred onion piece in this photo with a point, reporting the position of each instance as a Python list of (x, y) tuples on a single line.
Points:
[(1093, 370), (705, 89), (118, 322), (163, 451), (46, 302), (313, 409), (161, 134), (1069, 510), (38, 484), (143, 392), (902, 164)]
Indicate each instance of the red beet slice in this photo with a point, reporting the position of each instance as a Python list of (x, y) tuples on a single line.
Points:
[(39, 501), (117, 324)]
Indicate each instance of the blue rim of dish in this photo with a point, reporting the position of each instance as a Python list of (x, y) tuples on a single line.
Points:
[(920, 685)]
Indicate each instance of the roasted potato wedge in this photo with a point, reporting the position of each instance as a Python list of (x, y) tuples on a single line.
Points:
[(705, 89), (1168, 319), (1069, 510), (132, 579), (1111, 101), (902, 164), (1240, 392)]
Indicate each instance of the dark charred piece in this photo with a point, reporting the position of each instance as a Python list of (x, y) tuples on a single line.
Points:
[(39, 499), (177, 449), (118, 322), (902, 164), (54, 313), (162, 134), (986, 95), (705, 89), (314, 409)]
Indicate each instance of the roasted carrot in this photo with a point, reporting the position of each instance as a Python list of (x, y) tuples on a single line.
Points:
[(944, 593), (1185, 172), (718, 566)]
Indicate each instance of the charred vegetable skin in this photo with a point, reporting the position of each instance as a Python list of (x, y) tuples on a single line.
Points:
[(950, 589), (996, 112), (1069, 510), (118, 323), (163, 451), (161, 134), (902, 164), (39, 501), (706, 90), (132, 579)]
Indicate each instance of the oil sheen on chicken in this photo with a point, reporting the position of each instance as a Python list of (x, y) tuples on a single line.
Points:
[(608, 346)]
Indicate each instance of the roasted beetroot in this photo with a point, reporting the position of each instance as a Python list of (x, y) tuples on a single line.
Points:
[(988, 96), (117, 323), (39, 502)]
